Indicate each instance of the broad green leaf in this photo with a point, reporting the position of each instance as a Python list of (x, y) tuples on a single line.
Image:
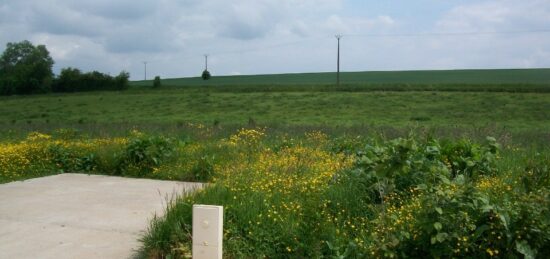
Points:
[(524, 249), (439, 210), (444, 179), (459, 179), (438, 226), (480, 230), (441, 237)]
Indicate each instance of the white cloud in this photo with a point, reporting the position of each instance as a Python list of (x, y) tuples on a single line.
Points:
[(511, 48), (272, 36), (497, 15)]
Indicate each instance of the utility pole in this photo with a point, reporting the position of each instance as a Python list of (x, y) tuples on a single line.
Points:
[(338, 37), (206, 62), (145, 72)]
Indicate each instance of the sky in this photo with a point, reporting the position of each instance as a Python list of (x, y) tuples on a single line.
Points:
[(280, 36)]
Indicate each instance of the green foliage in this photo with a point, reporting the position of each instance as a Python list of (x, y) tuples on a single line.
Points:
[(156, 82), (25, 69), (144, 154), (71, 159), (537, 173), (401, 198), (438, 200), (73, 80), (470, 159), (121, 80), (203, 170), (68, 80), (205, 75), (401, 164), (393, 198)]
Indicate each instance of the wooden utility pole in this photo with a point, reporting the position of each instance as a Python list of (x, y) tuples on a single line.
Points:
[(338, 37)]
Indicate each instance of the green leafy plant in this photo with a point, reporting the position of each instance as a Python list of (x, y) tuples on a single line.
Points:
[(203, 170), (145, 153)]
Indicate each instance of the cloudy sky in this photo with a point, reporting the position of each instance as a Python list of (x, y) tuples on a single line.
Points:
[(281, 36)]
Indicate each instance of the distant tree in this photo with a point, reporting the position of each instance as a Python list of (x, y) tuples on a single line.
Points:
[(205, 75), (25, 69), (68, 80), (73, 80), (122, 80), (156, 82)]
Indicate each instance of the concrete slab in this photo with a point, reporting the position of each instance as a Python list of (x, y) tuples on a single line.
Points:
[(80, 216)]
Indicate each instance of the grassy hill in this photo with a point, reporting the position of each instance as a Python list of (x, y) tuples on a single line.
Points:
[(458, 80)]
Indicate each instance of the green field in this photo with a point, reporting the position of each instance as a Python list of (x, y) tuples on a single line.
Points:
[(489, 113), (452, 80)]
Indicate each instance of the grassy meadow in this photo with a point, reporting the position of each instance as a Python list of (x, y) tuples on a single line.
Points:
[(392, 164), (522, 118)]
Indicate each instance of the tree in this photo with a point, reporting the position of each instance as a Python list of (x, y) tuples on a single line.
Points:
[(205, 75), (68, 80), (121, 81), (25, 68), (156, 82)]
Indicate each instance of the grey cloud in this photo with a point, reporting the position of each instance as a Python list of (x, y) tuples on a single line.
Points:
[(64, 22), (117, 10), (249, 20), (142, 41), (243, 30)]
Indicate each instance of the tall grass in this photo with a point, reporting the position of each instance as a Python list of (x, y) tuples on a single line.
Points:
[(315, 196)]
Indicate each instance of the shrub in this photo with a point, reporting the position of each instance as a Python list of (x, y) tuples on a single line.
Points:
[(68, 80), (121, 80), (73, 80), (205, 75), (156, 82), (144, 154), (203, 170)]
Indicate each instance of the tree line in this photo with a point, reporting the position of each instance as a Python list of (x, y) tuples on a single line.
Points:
[(27, 69)]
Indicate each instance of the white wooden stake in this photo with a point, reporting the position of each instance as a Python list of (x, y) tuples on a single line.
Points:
[(207, 231)]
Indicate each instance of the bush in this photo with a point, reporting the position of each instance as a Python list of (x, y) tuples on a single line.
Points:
[(203, 170), (121, 81), (68, 80), (156, 82), (73, 80), (144, 154), (205, 75)]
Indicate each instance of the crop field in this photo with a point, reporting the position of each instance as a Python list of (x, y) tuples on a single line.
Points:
[(410, 164), (514, 80)]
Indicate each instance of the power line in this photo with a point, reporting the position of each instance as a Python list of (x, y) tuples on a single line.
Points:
[(425, 34), (429, 34), (373, 35)]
